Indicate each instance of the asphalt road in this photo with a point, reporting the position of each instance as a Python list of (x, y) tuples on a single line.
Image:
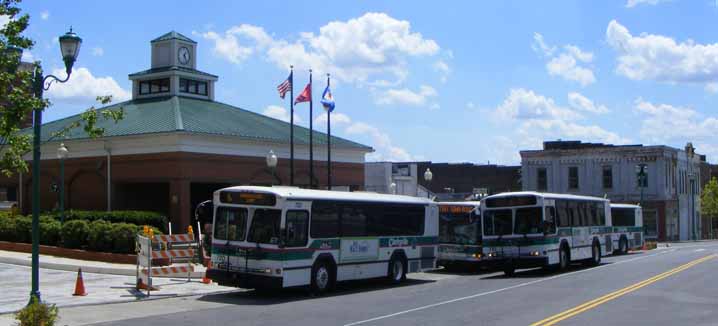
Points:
[(674, 286)]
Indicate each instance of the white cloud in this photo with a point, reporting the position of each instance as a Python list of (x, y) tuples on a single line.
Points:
[(534, 118), (98, 51), (664, 123), (522, 104), (228, 47), (540, 46), (470, 105), (406, 96), (45, 15), (633, 3), (83, 87), (712, 88), (385, 149), (27, 56), (660, 58), (337, 119), (280, 113), (567, 64), (443, 69), (4, 19), (580, 102), (363, 50)]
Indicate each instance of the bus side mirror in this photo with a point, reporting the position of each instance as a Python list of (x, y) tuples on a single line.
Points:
[(282, 238)]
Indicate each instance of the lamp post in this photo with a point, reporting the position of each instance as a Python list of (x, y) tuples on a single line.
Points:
[(641, 170), (70, 48), (392, 188), (62, 155), (427, 177), (272, 164)]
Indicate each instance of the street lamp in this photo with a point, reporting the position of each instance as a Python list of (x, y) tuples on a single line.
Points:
[(62, 155), (69, 48), (641, 170), (392, 188), (427, 177), (272, 163), (691, 152)]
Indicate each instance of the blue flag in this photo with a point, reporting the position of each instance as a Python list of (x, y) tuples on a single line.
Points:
[(328, 100)]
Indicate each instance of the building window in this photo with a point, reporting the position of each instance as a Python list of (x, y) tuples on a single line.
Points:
[(607, 177), (193, 86), (155, 86), (573, 177), (541, 180)]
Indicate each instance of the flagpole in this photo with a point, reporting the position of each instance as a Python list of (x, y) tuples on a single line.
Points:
[(311, 134), (291, 128), (329, 144)]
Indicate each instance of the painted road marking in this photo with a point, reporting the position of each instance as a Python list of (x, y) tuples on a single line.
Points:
[(699, 250), (613, 295), (499, 290)]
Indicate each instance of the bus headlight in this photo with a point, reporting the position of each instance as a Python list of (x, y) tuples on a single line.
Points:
[(477, 255), (535, 253), (492, 254)]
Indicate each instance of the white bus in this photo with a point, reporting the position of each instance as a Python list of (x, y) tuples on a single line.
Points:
[(531, 229), (627, 222), (459, 234), (278, 237)]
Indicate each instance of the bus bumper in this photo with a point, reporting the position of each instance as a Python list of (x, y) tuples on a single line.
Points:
[(244, 280), (516, 262)]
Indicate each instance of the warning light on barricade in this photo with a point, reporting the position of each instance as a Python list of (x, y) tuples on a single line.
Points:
[(152, 233), (145, 230), (189, 229)]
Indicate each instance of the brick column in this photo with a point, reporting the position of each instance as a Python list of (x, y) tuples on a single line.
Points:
[(179, 205)]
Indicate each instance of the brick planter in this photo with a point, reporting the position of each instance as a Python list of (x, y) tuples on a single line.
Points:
[(71, 253)]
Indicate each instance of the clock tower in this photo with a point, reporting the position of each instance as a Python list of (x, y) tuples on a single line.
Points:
[(173, 71)]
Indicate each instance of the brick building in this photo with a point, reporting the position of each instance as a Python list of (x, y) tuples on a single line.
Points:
[(176, 145)]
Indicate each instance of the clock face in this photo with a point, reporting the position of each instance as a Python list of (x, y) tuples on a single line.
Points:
[(183, 55)]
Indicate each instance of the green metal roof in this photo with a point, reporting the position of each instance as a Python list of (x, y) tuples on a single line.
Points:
[(171, 68), (183, 114), (173, 35)]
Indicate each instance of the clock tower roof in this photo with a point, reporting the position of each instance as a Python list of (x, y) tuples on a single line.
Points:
[(172, 35)]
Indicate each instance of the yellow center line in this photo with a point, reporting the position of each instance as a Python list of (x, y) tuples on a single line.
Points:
[(613, 295)]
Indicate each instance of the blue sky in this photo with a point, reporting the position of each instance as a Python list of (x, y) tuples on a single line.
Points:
[(464, 82)]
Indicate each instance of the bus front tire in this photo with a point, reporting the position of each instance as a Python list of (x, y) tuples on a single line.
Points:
[(509, 270), (622, 246), (563, 258), (323, 277), (595, 254), (397, 270)]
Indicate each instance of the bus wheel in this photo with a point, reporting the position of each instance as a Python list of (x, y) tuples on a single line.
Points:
[(563, 259), (397, 270), (322, 277), (595, 254), (509, 270)]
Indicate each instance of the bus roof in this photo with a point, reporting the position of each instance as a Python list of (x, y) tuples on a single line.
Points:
[(296, 193), (624, 206), (545, 195), (459, 203)]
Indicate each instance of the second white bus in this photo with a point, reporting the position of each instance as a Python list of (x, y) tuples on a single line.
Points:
[(627, 222), (531, 229), (460, 234)]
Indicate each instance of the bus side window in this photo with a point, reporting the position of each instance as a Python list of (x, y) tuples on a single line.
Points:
[(550, 220), (297, 227), (564, 219)]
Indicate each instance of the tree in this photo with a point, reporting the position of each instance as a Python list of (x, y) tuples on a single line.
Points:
[(17, 98), (709, 200)]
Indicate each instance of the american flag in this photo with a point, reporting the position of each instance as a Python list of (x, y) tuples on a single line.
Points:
[(285, 86)]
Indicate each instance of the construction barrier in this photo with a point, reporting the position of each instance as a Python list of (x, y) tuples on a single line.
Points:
[(179, 249)]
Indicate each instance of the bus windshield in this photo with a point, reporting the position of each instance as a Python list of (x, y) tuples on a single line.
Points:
[(497, 222), (528, 220), (265, 226), (623, 216), (230, 223), (459, 228)]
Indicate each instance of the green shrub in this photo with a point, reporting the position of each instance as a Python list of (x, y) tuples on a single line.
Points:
[(123, 237), (7, 228), (36, 314), (23, 229), (50, 232), (74, 234), (133, 217), (100, 236)]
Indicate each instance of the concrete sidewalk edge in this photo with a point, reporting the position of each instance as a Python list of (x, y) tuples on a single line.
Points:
[(85, 268)]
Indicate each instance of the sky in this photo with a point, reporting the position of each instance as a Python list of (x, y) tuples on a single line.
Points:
[(467, 81)]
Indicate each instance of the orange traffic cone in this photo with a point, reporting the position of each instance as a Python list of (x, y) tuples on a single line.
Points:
[(205, 279), (79, 284), (142, 286)]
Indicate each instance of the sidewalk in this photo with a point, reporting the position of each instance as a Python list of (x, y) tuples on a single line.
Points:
[(104, 283)]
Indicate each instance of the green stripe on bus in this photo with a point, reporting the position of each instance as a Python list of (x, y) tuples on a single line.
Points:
[(518, 242)]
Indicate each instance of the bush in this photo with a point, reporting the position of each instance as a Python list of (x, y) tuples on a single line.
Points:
[(123, 237), (23, 229), (100, 236), (50, 232), (37, 313), (74, 234), (133, 217), (7, 228)]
